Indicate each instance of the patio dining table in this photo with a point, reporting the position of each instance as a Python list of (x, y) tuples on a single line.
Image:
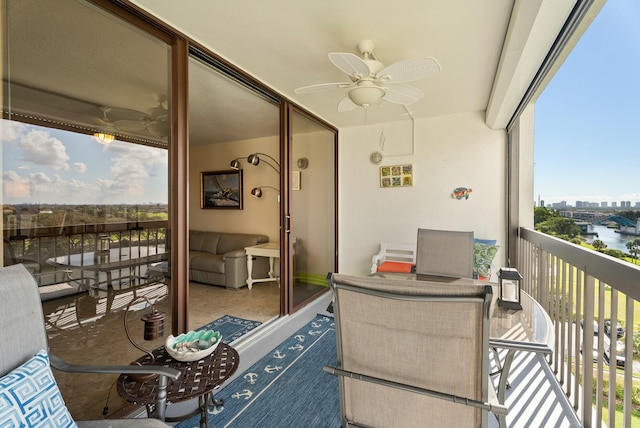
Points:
[(115, 259)]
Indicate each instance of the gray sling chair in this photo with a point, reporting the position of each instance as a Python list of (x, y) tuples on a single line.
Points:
[(444, 253), (23, 335), (412, 353)]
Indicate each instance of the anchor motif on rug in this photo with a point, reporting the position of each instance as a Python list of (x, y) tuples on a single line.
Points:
[(271, 369), (279, 355), (214, 410), (245, 393), (299, 338), (315, 332), (251, 377), (316, 325), (296, 347)]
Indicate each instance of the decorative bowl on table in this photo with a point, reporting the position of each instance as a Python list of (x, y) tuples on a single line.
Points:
[(194, 345)]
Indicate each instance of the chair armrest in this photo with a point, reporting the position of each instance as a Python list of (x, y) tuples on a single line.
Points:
[(235, 254), (377, 260), (164, 373), (64, 366)]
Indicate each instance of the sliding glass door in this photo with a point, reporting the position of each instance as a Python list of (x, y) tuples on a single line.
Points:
[(312, 204)]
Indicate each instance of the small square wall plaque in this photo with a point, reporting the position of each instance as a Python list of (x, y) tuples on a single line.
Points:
[(396, 176)]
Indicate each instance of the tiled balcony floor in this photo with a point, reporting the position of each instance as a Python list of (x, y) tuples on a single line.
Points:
[(89, 329), (534, 399)]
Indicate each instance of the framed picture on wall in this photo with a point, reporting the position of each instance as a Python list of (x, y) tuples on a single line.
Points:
[(396, 176), (221, 189)]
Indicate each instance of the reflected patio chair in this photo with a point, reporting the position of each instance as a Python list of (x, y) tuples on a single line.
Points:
[(444, 253), (25, 353), (412, 353)]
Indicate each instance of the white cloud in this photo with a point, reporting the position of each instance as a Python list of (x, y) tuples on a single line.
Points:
[(41, 148), (80, 167), (11, 131)]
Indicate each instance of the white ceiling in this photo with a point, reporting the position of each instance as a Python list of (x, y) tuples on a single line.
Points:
[(284, 43), (66, 60)]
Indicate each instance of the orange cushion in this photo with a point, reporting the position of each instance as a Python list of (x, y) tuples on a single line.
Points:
[(395, 267)]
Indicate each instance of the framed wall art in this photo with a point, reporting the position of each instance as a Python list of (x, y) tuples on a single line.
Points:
[(221, 189), (396, 176)]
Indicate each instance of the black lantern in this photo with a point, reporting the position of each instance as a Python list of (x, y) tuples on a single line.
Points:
[(509, 280)]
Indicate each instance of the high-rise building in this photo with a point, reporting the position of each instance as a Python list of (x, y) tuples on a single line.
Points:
[(603, 204), (614, 204)]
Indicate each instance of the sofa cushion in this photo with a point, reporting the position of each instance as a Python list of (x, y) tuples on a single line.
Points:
[(204, 241), (208, 262), (29, 396), (236, 241)]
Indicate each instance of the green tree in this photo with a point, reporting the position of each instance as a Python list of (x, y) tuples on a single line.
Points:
[(598, 244), (541, 214), (558, 226), (613, 253), (634, 248)]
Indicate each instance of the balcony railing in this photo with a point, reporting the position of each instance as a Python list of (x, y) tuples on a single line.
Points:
[(581, 290), (35, 245)]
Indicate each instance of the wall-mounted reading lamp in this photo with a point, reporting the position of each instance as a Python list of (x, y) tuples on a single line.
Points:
[(254, 159), (256, 192)]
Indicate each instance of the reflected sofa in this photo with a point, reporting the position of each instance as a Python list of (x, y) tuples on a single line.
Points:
[(218, 258)]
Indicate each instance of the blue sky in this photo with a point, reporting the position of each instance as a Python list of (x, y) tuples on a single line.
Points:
[(587, 130), (42, 165)]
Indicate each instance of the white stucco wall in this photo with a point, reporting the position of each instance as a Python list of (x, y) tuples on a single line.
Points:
[(450, 152)]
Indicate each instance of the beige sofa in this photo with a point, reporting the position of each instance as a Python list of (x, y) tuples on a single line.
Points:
[(218, 258)]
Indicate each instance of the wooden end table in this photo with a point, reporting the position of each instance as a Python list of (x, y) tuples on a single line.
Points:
[(271, 250), (197, 379)]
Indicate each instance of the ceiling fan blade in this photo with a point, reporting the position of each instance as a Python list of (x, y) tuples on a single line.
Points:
[(350, 63), (130, 125), (119, 113), (346, 105), (402, 94), (410, 70), (321, 87)]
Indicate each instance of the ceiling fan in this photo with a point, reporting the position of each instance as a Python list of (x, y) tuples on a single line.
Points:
[(156, 122), (372, 82)]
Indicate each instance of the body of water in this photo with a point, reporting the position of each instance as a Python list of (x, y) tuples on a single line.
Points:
[(613, 239)]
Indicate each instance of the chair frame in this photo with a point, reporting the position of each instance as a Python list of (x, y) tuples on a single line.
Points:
[(337, 282), (24, 302)]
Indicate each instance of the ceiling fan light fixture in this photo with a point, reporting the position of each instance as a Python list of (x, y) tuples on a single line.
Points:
[(364, 96), (103, 138)]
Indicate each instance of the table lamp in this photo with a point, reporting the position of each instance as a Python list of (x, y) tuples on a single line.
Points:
[(153, 329)]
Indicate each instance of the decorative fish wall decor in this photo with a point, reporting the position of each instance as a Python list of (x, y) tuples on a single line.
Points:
[(461, 192)]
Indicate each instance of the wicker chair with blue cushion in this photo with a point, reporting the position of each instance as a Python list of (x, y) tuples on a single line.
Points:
[(29, 395)]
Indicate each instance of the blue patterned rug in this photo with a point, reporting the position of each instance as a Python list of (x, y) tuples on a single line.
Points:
[(286, 388), (231, 328)]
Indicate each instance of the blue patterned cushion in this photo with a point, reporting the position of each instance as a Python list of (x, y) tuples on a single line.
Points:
[(29, 397)]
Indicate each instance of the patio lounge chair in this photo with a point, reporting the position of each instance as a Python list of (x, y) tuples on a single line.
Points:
[(412, 353), (444, 253), (28, 391)]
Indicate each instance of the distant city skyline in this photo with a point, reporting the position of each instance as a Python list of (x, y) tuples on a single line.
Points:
[(586, 135)]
